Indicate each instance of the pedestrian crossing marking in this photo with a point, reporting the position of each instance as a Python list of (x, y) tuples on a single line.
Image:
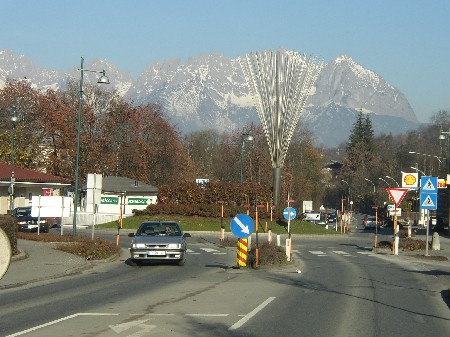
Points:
[(317, 252), (209, 250), (340, 252)]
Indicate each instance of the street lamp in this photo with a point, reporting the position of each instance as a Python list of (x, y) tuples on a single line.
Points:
[(102, 80), (442, 136), (417, 170), (370, 181), (395, 181), (13, 179), (385, 182), (246, 137)]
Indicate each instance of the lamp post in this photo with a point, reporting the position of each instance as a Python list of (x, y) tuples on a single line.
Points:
[(349, 197), (395, 181), (246, 137), (13, 179), (103, 80)]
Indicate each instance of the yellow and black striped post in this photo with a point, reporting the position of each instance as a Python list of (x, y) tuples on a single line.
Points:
[(242, 249)]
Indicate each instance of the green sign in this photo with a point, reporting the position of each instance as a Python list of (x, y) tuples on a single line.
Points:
[(137, 201), (109, 200)]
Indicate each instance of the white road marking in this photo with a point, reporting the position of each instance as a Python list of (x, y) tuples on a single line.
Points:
[(61, 320), (317, 252), (206, 315), (209, 250), (247, 317), (340, 252)]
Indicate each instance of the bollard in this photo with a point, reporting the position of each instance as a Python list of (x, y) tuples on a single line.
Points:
[(396, 242), (278, 240), (288, 249), (242, 252), (436, 243), (269, 236), (409, 231)]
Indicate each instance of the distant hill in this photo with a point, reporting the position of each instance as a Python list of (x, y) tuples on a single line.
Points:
[(209, 91)]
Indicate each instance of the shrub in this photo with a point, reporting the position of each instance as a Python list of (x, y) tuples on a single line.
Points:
[(8, 224), (269, 254), (97, 249)]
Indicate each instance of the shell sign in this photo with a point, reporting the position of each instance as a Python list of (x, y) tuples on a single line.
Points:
[(410, 180)]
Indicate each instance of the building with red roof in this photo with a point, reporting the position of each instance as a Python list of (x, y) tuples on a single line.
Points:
[(27, 183)]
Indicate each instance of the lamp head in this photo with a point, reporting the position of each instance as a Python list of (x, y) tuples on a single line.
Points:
[(103, 79)]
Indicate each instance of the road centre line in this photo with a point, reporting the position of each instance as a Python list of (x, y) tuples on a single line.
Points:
[(61, 320), (247, 317)]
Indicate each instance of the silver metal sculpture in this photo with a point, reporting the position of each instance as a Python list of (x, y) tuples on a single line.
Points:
[(280, 83)]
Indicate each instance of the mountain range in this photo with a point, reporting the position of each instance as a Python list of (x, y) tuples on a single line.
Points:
[(209, 91)]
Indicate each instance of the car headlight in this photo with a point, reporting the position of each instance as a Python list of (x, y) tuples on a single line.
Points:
[(138, 245), (174, 246)]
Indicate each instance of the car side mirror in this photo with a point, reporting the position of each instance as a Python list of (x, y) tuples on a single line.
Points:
[(131, 235), (186, 235)]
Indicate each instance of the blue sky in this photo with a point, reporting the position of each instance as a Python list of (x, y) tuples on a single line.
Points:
[(407, 42)]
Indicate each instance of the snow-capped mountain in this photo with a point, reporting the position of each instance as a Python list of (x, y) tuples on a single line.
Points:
[(210, 91)]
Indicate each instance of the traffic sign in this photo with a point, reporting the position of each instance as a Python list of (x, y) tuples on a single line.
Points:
[(428, 201), (289, 213), (428, 184), (397, 194), (242, 226)]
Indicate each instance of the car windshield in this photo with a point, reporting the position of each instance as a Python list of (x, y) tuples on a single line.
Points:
[(159, 228), (23, 212)]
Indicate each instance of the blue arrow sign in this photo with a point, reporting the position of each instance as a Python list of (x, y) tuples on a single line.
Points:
[(428, 201), (242, 226), (289, 213)]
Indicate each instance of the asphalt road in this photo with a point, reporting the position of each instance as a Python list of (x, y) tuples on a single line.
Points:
[(337, 287)]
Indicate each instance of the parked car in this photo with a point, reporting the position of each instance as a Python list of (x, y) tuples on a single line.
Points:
[(332, 217), (370, 222), (27, 223), (159, 241)]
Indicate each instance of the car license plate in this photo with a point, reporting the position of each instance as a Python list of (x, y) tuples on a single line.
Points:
[(156, 253)]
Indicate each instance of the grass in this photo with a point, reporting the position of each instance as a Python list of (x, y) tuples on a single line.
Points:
[(196, 223)]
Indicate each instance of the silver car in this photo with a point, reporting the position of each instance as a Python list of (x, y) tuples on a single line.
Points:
[(159, 241)]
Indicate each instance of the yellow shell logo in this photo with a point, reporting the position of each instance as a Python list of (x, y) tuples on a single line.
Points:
[(410, 179)]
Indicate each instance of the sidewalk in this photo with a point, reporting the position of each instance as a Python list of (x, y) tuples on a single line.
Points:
[(38, 261)]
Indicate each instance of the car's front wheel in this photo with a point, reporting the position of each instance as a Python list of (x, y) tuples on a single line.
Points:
[(136, 262), (182, 261)]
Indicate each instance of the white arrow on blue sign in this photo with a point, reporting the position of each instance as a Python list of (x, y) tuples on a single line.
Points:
[(242, 226), (289, 213)]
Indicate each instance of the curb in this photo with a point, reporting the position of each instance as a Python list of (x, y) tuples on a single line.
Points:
[(21, 255)]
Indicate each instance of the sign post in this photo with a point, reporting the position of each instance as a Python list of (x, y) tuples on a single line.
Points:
[(396, 195), (428, 200), (289, 213)]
